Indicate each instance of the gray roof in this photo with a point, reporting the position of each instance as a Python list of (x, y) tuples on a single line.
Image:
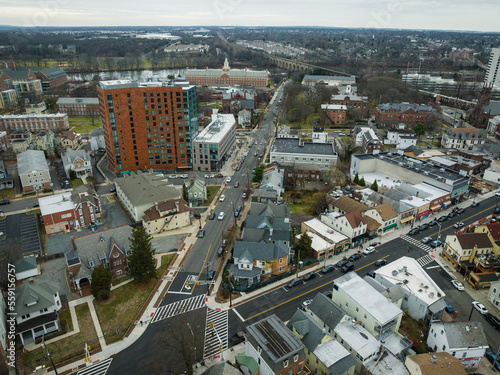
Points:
[(19, 73), (326, 310), (264, 193), (263, 235), (291, 146), (69, 156), (261, 222), (493, 108), (95, 246), (307, 327), (393, 293), (403, 107), (260, 251), (269, 209), (30, 160), (329, 78), (272, 179), (97, 132), (462, 334), (240, 273), (145, 188), (77, 101), (51, 73), (25, 264), (38, 293)]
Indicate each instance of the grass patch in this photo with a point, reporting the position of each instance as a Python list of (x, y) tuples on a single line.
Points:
[(299, 209), (76, 182), (65, 319), (124, 304), (86, 127), (115, 282), (8, 194), (300, 202), (33, 211), (64, 349), (415, 331), (211, 193)]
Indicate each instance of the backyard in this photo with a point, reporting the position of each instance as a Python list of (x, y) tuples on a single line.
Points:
[(416, 333), (300, 202)]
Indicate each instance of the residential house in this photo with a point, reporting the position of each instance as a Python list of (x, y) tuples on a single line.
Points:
[(70, 210), (265, 195), (402, 138), (364, 303), (338, 242), (97, 140), (166, 215), (253, 260), (20, 145), (139, 191), (245, 118), (404, 204), (4, 140), (26, 268), (465, 341), (241, 98), (468, 253), (69, 139), (424, 300), (44, 140), (274, 347), (269, 209), (33, 171), (267, 235), (494, 294), (442, 363), (462, 138), (78, 161), (385, 215), (108, 248), (272, 179), (359, 131), (345, 205), (324, 354), (6, 180), (326, 312), (37, 305), (197, 192), (370, 142), (352, 225)]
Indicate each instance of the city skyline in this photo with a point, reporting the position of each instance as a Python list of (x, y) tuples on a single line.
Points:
[(392, 14)]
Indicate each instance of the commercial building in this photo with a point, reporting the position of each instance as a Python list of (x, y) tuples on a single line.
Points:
[(333, 114), (148, 125), (406, 113), (292, 151), (8, 98), (212, 147), (48, 77), (78, 106), (34, 122), (494, 294), (33, 171), (492, 76), (463, 138), (311, 80), (226, 77)]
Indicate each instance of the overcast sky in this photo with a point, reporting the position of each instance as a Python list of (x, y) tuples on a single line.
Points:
[(474, 15)]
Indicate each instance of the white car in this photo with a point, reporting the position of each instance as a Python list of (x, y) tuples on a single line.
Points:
[(457, 285), (228, 180), (497, 193), (426, 239), (459, 225), (221, 216), (480, 307), (369, 250), (173, 176), (208, 176), (306, 303), (244, 195), (222, 198), (184, 176)]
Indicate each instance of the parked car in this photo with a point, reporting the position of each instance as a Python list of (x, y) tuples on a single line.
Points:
[(354, 257), (432, 223), (36, 204), (413, 231), (475, 204), (237, 338), (380, 262), (452, 214), (222, 198), (236, 184), (328, 268), (238, 167), (497, 210), (480, 307), (244, 195), (492, 357), (369, 250), (449, 308), (371, 274), (423, 227), (328, 293), (460, 210), (295, 282), (436, 243), (4, 202), (221, 216), (230, 228), (201, 234), (306, 303), (493, 320), (349, 266), (239, 208), (497, 193), (184, 176), (457, 285), (211, 275), (172, 176), (309, 276), (236, 214), (220, 251), (212, 216), (341, 262), (443, 218)]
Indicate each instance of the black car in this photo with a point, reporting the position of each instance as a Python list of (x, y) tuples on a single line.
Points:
[(211, 275), (295, 282), (380, 262), (328, 268), (212, 216), (328, 293), (5, 201), (424, 227), (460, 210), (413, 231), (497, 210), (341, 262), (452, 214), (349, 266), (201, 234), (371, 274), (36, 204), (237, 338), (432, 223), (354, 257), (443, 218), (493, 320), (112, 190), (309, 276)]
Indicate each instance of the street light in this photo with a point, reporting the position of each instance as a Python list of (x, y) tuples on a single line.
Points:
[(439, 232)]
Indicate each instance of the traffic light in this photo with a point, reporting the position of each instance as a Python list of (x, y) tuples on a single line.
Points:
[(220, 347), (187, 284), (197, 282)]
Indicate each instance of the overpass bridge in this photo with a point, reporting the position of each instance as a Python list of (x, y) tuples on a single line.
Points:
[(295, 65)]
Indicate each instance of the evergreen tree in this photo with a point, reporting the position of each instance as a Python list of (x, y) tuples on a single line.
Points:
[(100, 286), (374, 186), (141, 263), (362, 182), (304, 245), (356, 179)]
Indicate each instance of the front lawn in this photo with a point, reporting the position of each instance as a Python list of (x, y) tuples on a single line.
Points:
[(76, 182), (211, 193)]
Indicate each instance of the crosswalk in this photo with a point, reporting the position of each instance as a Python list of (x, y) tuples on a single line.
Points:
[(99, 368), (179, 307), (416, 243), (215, 333), (425, 260)]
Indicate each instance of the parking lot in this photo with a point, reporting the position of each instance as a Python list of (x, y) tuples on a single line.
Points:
[(21, 232)]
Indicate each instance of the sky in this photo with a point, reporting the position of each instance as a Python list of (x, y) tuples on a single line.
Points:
[(472, 15)]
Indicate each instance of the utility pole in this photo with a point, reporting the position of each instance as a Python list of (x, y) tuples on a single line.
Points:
[(194, 343), (50, 357), (208, 284), (471, 311)]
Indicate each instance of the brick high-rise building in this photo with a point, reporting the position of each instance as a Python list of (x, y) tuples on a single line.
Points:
[(148, 125)]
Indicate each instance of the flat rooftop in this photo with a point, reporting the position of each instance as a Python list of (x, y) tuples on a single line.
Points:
[(56, 203), (296, 146), (35, 116), (128, 83), (215, 131), (358, 338), (325, 230), (407, 273)]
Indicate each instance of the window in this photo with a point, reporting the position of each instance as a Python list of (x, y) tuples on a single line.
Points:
[(295, 357), (285, 364)]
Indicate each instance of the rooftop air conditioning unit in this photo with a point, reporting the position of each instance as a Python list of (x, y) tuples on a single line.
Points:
[(426, 173), (441, 170)]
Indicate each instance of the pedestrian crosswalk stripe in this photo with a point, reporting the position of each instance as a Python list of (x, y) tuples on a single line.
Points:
[(179, 307), (215, 333), (426, 259), (415, 242), (99, 368)]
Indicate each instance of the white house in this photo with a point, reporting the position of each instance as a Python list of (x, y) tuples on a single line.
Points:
[(77, 161), (385, 215), (352, 225), (494, 294), (97, 139), (26, 268), (402, 138), (492, 174), (244, 118), (464, 340)]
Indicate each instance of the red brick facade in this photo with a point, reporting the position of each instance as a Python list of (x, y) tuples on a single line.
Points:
[(333, 115), (407, 114), (226, 103), (78, 109), (56, 122)]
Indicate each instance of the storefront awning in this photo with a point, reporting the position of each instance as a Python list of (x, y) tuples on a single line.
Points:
[(447, 203), (407, 219), (435, 208), (390, 226), (423, 213)]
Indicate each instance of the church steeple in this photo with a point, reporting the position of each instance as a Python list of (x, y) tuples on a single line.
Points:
[(226, 68)]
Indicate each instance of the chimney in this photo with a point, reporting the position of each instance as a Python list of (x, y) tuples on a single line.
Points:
[(417, 193), (32, 281), (271, 219), (177, 205), (381, 200), (156, 205), (433, 359)]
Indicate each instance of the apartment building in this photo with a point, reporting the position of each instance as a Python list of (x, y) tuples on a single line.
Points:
[(149, 125), (78, 106), (406, 113), (33, 171), (34, 122), (492, 75), (463, 138), (333, 114), (309, 155)]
